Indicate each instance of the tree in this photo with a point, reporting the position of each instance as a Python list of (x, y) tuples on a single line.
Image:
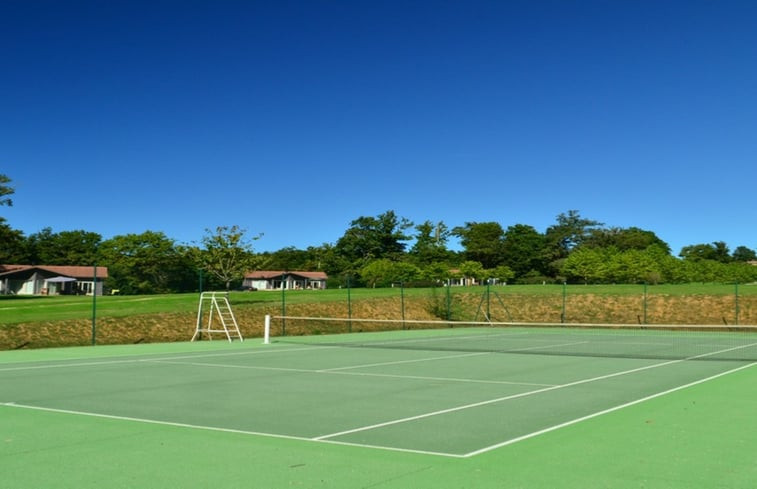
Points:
[(437, 272), (227, 254), (12, 242), (587, 264), (384, 272), (502, 273), (289, 258), (623, 239), (717, 251), (327, 258), (374, 237), (12, 245), (5, 190), (632, 266), (743, 254), (483, 242), (472, 270), (77, 247), (430, 243), (570, 231), (667, 266), (523, 249), (147, 263)]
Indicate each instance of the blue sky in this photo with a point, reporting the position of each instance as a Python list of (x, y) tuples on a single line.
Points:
[(293, 118)]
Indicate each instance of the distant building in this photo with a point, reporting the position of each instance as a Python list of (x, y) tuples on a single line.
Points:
[(51, 280), (459, 280), (278, 279)]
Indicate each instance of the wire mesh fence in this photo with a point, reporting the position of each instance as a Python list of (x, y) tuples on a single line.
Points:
[(717, 304), (640, 304)]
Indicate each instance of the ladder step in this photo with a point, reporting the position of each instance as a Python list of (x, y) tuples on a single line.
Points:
[(215, 308)]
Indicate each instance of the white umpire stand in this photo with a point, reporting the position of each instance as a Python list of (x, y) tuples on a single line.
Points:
[(220, 317)]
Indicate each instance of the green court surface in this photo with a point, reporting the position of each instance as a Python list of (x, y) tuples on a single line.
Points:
[(380, 415)]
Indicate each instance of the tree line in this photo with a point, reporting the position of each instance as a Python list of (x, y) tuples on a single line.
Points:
[(378, 251)]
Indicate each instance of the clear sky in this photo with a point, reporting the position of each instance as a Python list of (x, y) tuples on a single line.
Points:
[(293, 118)]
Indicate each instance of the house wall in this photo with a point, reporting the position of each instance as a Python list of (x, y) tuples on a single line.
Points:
[(290, 282), (33, 280), (38, 285), (463, 282), (28, 288), (259, 284)]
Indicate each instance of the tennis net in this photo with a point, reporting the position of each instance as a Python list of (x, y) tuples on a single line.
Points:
[(707, 342)]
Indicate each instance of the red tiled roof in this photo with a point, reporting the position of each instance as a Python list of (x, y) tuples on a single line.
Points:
[(267, 274), (65, 270)]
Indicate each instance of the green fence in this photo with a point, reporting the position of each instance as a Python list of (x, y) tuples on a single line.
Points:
[(721, 304)]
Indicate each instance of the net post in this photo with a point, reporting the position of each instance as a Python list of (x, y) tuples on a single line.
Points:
[(267, 330)]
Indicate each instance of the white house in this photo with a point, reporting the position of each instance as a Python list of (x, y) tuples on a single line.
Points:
[(51, 280), (278, 279), (459, 280)]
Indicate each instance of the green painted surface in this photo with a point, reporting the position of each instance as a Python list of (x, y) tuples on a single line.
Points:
[(702, 436)]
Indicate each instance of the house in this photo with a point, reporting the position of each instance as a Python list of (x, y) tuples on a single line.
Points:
[(459, 280), (278, 279), (51, 280)]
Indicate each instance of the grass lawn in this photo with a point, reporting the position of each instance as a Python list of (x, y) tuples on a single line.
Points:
[(24, 309)]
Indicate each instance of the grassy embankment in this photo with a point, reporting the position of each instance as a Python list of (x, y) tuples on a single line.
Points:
[(62, 321)]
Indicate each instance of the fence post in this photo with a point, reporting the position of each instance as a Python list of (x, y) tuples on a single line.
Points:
[(449, 299), (283, 307), (94, 304), (564, 292), (349, 306), (402, 303), (488, 301), (645, 304), (736, 303)]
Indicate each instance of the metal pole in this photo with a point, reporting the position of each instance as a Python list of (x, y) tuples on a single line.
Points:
[(736, 304), (564, 292), (402, 303), (283, 306), (645, 303), (199, 312), (94, 305), (449, 298), (349, 306), (488, 301)]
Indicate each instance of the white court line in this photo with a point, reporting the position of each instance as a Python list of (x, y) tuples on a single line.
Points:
[(324, 438), (361, 445), (523, 394), (462, 355), (531, 348), (600, 413), (218, 429), (149, 359), (400, 362), (356, 374), (436, 339)]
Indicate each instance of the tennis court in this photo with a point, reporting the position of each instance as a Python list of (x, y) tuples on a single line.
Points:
[(455, 393)]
